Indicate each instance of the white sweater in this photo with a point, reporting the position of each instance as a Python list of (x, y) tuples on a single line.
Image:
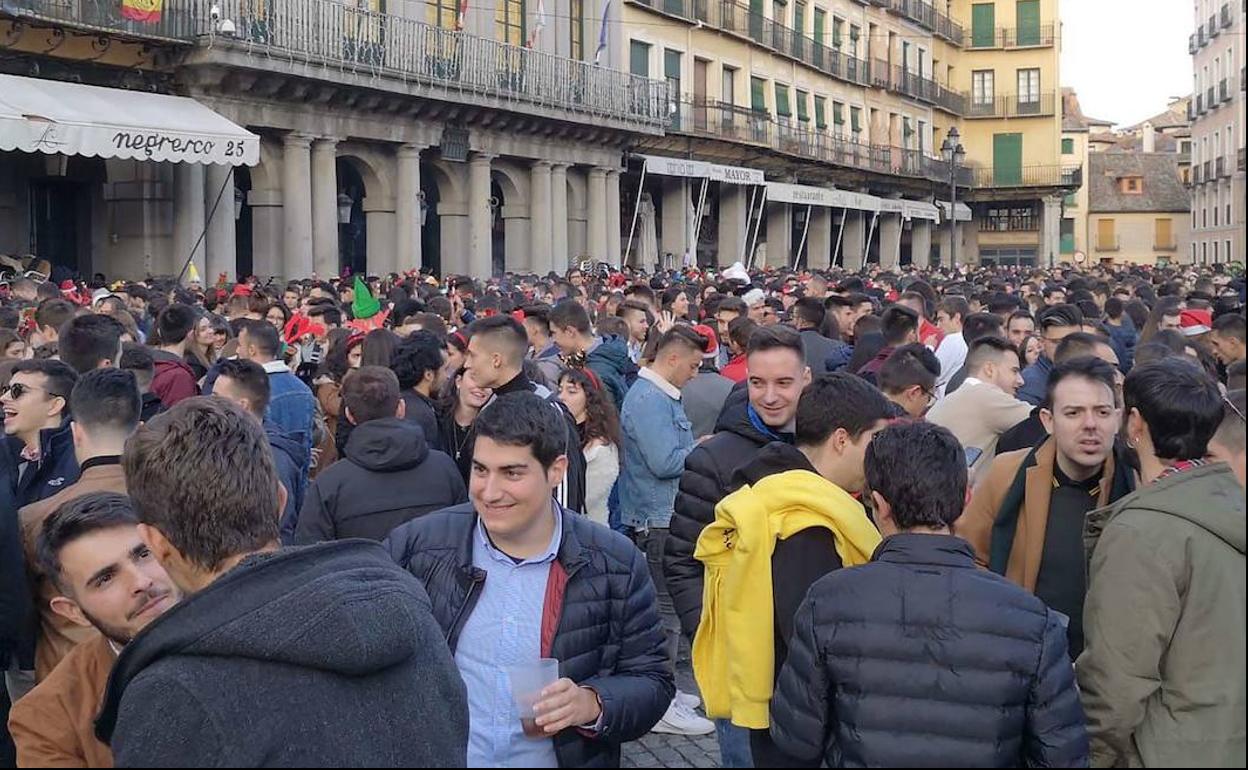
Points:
[(602, 468)]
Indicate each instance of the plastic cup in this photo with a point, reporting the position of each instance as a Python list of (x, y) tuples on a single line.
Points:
[(527, 683)]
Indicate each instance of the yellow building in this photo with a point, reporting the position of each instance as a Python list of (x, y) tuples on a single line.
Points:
[(1138, 208), (856, 96)]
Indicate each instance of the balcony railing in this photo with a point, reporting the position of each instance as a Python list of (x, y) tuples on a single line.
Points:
[(1191, 111), (1013, 106), (1209, 177), (1239, 159), (1012, 223), (1042, 36), (950, 30), (1224, 91), (1221, 168), (1214, 28), (1210, 101), (1108, 242), (950, 101), (1196, 174), (710, 118), (1029, 176), (1192, 45), (179, 23), (1200, 104), (1225, 15)]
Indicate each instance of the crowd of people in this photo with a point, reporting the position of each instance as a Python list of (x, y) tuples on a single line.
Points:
[(942, 517)]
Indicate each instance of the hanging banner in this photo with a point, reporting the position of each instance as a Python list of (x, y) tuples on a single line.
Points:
[(806, 195), (144, 11), (697, 169)]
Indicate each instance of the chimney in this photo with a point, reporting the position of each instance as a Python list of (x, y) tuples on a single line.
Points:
[(1150, 138)]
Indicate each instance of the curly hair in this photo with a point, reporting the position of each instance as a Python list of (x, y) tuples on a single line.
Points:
[(601, 420)]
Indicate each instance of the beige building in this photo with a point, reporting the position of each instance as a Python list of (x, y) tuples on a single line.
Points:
[(1138, 208), (1217, 115)]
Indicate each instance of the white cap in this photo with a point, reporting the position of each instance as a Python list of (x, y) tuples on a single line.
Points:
[(754, 297), (736, 273), (100, 294)]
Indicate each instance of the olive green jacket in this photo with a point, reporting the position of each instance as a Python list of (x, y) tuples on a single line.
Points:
[(1162, 676)]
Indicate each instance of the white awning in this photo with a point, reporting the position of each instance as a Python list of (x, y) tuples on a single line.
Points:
[(52, 116), (698, 169), (963, 211), (806, 195)]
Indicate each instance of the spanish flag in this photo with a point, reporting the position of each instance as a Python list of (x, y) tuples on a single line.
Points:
[(145, 11)]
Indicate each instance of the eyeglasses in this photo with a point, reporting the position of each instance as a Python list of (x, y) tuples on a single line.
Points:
[(18, 390)]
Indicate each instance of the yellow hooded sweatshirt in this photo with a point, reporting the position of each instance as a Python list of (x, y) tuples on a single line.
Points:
[(734, 650)]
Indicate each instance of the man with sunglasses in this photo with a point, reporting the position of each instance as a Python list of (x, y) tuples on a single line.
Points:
[(40, 450)]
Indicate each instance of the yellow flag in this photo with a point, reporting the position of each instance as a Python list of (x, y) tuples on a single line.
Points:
[(147, 11)]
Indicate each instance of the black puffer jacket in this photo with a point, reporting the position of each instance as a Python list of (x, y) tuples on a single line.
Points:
[(607, 630), (388, 476), (708, 478), (919, 659)]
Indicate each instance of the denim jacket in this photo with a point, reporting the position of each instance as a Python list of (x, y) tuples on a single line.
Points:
[(292, 407), (657, 438)]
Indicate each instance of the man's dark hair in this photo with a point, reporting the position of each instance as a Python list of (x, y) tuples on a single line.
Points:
[(898, 323), (1226, 325), (329, 313), (1088, 367), (60, 375), (955, 307), (526, 420), (1077, 345), (107, 400), (774, 337), (734, 305), (632, 306), (174, 323), (741, 330), (569, 314), (419, 353), (75, 519), (506, 330), (137, 358), (88, 340), (202, 474), (54, 312), (684, 336), (370, 393), (920, 469), (1001, 303), (1179, 402), (1153, 351), (986, 350), (404, 310), (1059, 317), (251, 379), (540, 313), (977, 326), (264, 337), (838, 401), (1020, 314), (909, 365), (810, 311), (1114, 308)]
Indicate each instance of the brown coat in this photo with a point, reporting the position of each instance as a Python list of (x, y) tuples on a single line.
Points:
[(329, 396), (54, 724), (977, 521), (57, 636)]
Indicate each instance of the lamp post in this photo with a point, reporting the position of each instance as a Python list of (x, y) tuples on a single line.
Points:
[(955, 155)]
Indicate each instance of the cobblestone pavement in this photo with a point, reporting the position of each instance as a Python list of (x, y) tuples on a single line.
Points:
[(659, 750)]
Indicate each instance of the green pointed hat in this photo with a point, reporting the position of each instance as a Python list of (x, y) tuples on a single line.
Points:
[(364, 305)]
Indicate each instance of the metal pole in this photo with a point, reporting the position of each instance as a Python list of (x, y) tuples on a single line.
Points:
[(697, 219), (840, 236), (802, 243), (749, 214), (641, 185), (953, 214), (762, 212), (866, 248)]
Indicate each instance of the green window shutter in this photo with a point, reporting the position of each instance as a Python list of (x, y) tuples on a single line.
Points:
[(838, 114), (799, 18), (907, 129), (803, 112), (854, 33), (1068, 146), (855, 119), (821, 113), (821, 20), (1028, 20), (782, 101), (671, 64), (1007, 159), (756, 20), (838, 32), (639, 58), (758, 94), (983, 25)]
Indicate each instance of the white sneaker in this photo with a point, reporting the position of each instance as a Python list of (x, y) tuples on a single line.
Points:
[(680, 720), (688, 700)]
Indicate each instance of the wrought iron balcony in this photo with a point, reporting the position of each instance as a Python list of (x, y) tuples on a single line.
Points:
[(1239, 159), (1214, 28), (1225, 15), (1224, 91), (1209, 177), (1192, 45), (1013, 106), (1210, 101), (177, 24), (950, 101), (1042, 36), (1221, 168), (1029, 176), (1191, 111), (1200, 104)]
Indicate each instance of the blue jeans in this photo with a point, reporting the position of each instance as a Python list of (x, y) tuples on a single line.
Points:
[(734, 744)]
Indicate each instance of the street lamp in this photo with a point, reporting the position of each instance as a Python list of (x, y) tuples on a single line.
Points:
[(955, 155)]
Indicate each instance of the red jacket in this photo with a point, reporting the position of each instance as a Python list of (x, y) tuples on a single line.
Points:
[(736, 369), (174, 380)]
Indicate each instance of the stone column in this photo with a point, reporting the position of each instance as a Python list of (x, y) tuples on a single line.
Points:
[(677, 206), (559, 218), (943, 244), (820, 239), (920, 242), (968, 242), (614, 254), (734, 202), (222, 246), (541, 223), (381, 229), (325, 207), (480, 254), (297, 208), (266, 232), (890, 240), (854, 244), (597, 242), (517, 238), (188, 219), (779, 235), (407, 254), (1051, 235)]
